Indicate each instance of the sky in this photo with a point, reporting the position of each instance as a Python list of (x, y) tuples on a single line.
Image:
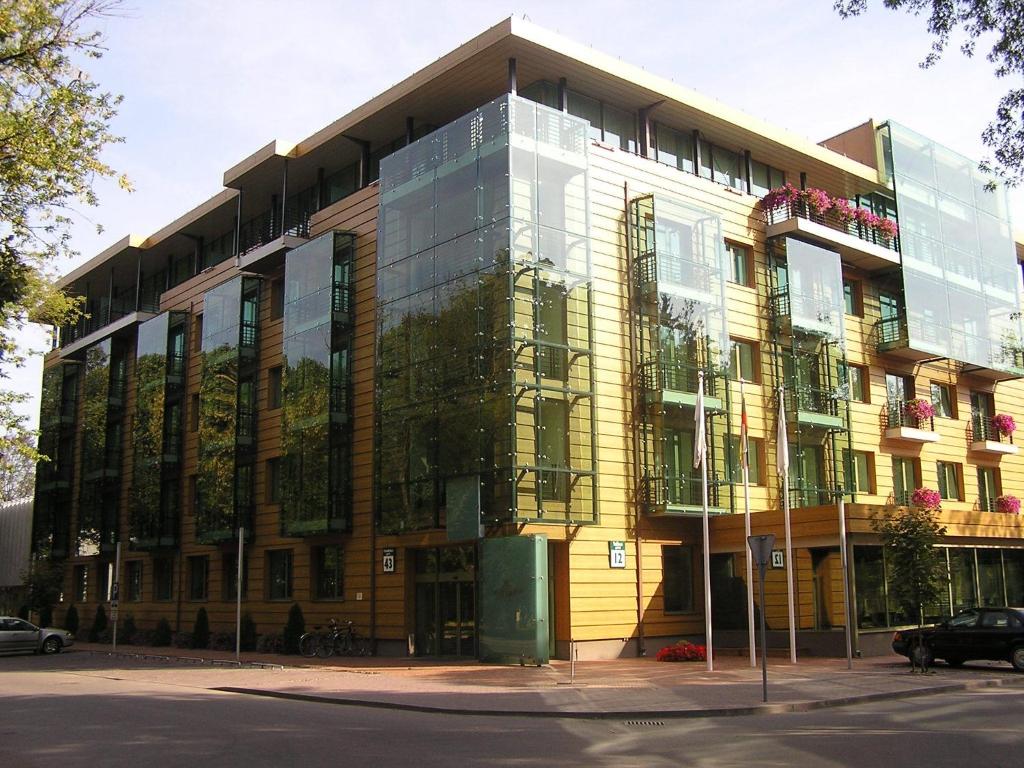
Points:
[(207, 82)]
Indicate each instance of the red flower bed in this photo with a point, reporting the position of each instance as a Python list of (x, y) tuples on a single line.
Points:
[(683, 651)]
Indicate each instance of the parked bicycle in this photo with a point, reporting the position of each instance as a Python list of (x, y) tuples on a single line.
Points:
[(339, 638)]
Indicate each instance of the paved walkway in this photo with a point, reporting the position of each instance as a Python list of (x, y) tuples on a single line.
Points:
[(621, 688)]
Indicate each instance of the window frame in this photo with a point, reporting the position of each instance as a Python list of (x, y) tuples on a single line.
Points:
[(950, 392), (169, 564), (869, 468), (855, 296), (942, 479), (275, 391), (287, 557), (133, 575), (193, 592), (318, 570), (684, 607), (736, 361), (735, 251)]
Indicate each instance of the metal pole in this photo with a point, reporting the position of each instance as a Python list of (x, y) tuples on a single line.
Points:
[(238, 590), (746, 533), (764, 644), (789, 571), (846, 580), (116, 592), (707, 540)]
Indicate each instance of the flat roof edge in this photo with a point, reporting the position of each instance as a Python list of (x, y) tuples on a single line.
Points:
[(224, 196), (276, 148), (126, 242)]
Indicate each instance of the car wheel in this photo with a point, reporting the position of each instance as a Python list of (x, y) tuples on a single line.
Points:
[(1017, 658), (955, 662), (52, 645)]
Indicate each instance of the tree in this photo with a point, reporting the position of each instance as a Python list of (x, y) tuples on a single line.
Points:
[(917, 567), (999, 20), (43, 581), (54, 124), (17, 467)]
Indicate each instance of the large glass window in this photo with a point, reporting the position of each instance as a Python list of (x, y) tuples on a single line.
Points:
[(279, 574), (229, 576), (133, 581), (198, 577), (740, 264), (904, 478), (163, 578), (870, 586), (755, 449), (328, 569), (943, 399), (81, 582), (949, 480), (674, 147), (990, 576), (859, 474), (677, 578), (988, 488), (743, 363)]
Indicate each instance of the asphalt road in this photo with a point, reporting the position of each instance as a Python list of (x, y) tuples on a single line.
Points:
[(58, 715)]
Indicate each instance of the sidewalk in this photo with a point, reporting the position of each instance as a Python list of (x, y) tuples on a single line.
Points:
[(621, 688)]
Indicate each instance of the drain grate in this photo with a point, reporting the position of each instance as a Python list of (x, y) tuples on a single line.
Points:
[(645, 723)]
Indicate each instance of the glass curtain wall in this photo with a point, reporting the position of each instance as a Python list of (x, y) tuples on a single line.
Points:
[(227, 423), (960, 270), (156, 434), (484, 313), (316, 437), (680, 272), (58, 414), (105, 379)]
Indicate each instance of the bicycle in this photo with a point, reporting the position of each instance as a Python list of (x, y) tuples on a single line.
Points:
[(341, 639)]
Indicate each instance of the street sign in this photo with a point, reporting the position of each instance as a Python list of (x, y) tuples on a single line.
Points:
[(761, 553), (388, 560), (616, 554), (114, 593), (761, 549), (778, 558)]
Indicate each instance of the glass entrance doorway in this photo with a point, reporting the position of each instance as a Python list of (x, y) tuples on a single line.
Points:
[(446, 601)]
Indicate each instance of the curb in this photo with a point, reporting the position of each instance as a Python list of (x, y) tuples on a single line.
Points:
[(186, 659), (677, 714)]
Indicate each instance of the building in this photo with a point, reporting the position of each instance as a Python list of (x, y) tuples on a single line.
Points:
[(15, 546), (439, 362)]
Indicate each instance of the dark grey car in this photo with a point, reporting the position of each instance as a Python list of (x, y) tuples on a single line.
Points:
[(20, 636), (995, 634)]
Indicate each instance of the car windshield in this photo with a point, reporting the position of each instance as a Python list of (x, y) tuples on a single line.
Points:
[(965, 619)]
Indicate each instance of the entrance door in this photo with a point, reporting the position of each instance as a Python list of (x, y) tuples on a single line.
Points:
[(446, 601)]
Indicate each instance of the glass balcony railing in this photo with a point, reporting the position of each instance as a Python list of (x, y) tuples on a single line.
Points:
[(676, 376), (677, 489), (802, 495), (809, 399), (831, 219)]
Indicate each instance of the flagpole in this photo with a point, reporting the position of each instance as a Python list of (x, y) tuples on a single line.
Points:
[(745, 455), (700, 455), (783, 442)]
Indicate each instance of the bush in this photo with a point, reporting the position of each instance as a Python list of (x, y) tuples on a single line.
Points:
[(182, 640), (683, 651), (248, 632), (294, 629), (270, 643), (128, 630), (99, 625), (201, 630), (71, 619), (143, 637), (162, 635), (222, 641), (106, 637), (46, 616)]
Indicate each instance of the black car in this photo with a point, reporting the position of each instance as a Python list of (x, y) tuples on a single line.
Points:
[(993, 634)]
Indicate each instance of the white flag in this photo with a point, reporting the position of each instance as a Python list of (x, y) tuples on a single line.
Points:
[(782, 439), (699, 439)]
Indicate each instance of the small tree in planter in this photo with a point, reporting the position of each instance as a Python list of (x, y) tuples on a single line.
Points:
[(99, 625), (917, 567), (294, 629), (201, 630), (71, 619)]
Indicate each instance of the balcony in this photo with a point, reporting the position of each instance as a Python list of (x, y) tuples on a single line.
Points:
[(815, 408), (804, 495), (272, 233), (674, 383), (98, 326), (893, 339), (905, 422), (856, 243), (675, 494), (985, 437)]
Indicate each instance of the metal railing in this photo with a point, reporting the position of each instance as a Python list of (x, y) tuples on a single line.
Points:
[(901, 413), (676, 377), (810, 496), (812, 400), (830, 219), (677, 489), (983, 428)]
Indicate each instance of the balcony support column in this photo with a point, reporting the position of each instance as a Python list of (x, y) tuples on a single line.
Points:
[(563, 95), (284, 200), (238, 224), (512, 77), (138, 281)]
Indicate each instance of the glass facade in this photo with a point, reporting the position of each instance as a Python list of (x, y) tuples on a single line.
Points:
[(960, 271), (160, 360), (680, 269), (316, 436), (105, 381), (227, 413), (484, 312), (58, 415)]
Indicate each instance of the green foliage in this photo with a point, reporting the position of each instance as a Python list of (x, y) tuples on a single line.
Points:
[(162, 634), (17, 467), (999, 21), (99, 625), (918, 573), (248, 632), (128, 630), (54, 125), (294, 629), (201, 630), (43, 581), (71, 619)]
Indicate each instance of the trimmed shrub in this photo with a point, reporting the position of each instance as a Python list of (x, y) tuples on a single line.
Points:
[(128, 630), (143, 637), (683, 651), (71, 619), (99, 625), (162, 635), (294, 629), (182, 640), (201, 630), (248, 632), (222, 641), (270, 643)]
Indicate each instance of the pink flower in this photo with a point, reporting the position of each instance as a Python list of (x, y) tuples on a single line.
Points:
[(926, 498), (1004, 424), (1008, 505), (919, 409), (818, 199)]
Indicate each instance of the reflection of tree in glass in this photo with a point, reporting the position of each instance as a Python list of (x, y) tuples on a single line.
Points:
[(147, 436), (218, 394)]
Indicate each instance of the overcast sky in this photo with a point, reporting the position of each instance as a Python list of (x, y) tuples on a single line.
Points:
[(207, 82)]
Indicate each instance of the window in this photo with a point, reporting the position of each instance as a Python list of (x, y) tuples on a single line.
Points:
[(163, 578), (328, 572), (81, 582), (740, 264), (197, 333), (764, 178), (743, 361), (949, 480), (988, 488), (853, 297), (229, 575), (104, 578), (943, 398), (279, 574), (755, 450), (553, 448), (193, 413), (273, 491), (277, 299), (674, 148), (904, 479), (198, 577), (899, 387), (855, 377), (133, 581), (859, 467), (274, 388), (677, 578)]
